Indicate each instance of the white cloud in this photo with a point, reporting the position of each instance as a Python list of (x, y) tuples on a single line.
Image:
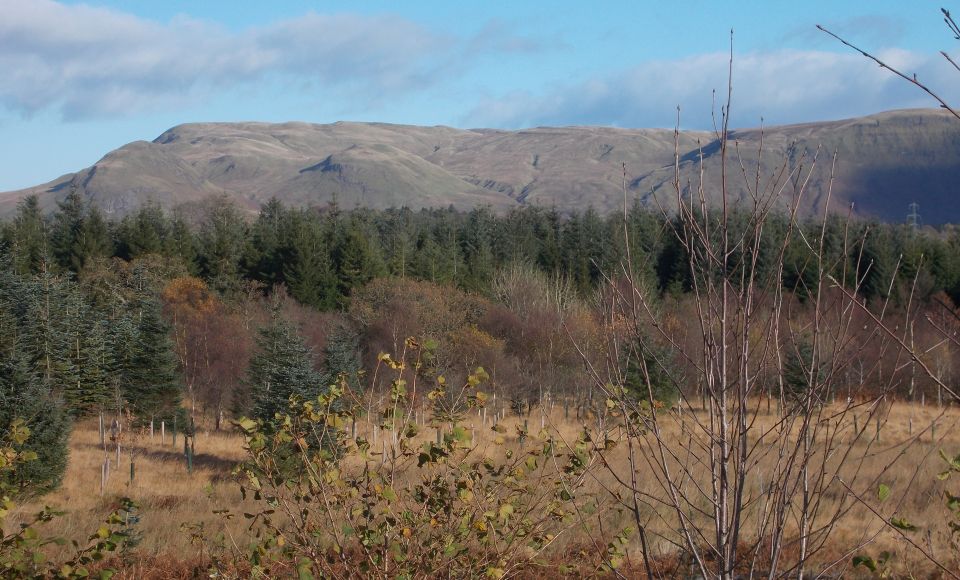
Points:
[(87, 61), (786, 86)]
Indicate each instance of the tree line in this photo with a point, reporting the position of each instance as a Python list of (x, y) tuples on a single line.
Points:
[(322, 254)]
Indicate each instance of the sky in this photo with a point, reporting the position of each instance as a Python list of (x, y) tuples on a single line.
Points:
[(83, 78)]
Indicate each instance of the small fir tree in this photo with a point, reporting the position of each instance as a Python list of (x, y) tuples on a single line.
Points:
[(151, 387), (652, 370), (23, 396), (281, 368)]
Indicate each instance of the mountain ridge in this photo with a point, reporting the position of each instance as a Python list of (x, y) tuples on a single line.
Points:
[(884, 162)]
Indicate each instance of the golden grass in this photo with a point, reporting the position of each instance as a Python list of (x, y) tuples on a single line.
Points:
[(170, 496)]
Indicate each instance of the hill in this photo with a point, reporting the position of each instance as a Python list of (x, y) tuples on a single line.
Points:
[(884, 162)]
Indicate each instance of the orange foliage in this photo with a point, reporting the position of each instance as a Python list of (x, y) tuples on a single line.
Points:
[(189, 296)]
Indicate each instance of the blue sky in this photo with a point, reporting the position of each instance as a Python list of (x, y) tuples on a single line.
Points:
[(82, 78)]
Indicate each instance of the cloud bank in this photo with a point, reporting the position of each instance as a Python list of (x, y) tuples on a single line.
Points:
[(88, 62), (785, 86)]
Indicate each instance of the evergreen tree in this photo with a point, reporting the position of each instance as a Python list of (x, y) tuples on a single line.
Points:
[(309, 271), (357, 255), (90, 390), (652, 369), (65, 232), (23, 396), (281, 368), (28, 238), (144, 232), (183, 244), (120, 338), (878, 263), (477, 241), (152, 387), (342, 357), (262, 256), (222, 237), (398, 231), (799, 370), (50, 307)]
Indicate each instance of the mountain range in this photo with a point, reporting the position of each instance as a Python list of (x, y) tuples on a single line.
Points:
[(878, 163)]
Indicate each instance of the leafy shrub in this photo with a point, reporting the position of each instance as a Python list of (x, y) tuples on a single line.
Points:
[(409, 510), (22, 549)]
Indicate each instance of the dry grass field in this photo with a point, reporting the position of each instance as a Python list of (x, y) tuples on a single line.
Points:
[(170, 496)]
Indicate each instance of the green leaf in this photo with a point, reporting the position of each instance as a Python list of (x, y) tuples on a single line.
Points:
[(303, 569), (865, 561), (883, 492), (902, 524), (953, 502)]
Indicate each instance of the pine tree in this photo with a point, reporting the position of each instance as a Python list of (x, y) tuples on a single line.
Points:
[(281, 368)]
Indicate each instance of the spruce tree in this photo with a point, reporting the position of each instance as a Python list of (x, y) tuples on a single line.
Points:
[(652, 370), (342, 357), (50, 307), (222, 236), (309, 273), (358, 256), (78, 233), (90, 390), (262, 255), (28, 238), (281, 368), (800, 367), (152, 388), (23, 396)]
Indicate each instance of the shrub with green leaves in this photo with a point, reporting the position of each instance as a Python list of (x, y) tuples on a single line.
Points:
[(413, 509), (22, 548)]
